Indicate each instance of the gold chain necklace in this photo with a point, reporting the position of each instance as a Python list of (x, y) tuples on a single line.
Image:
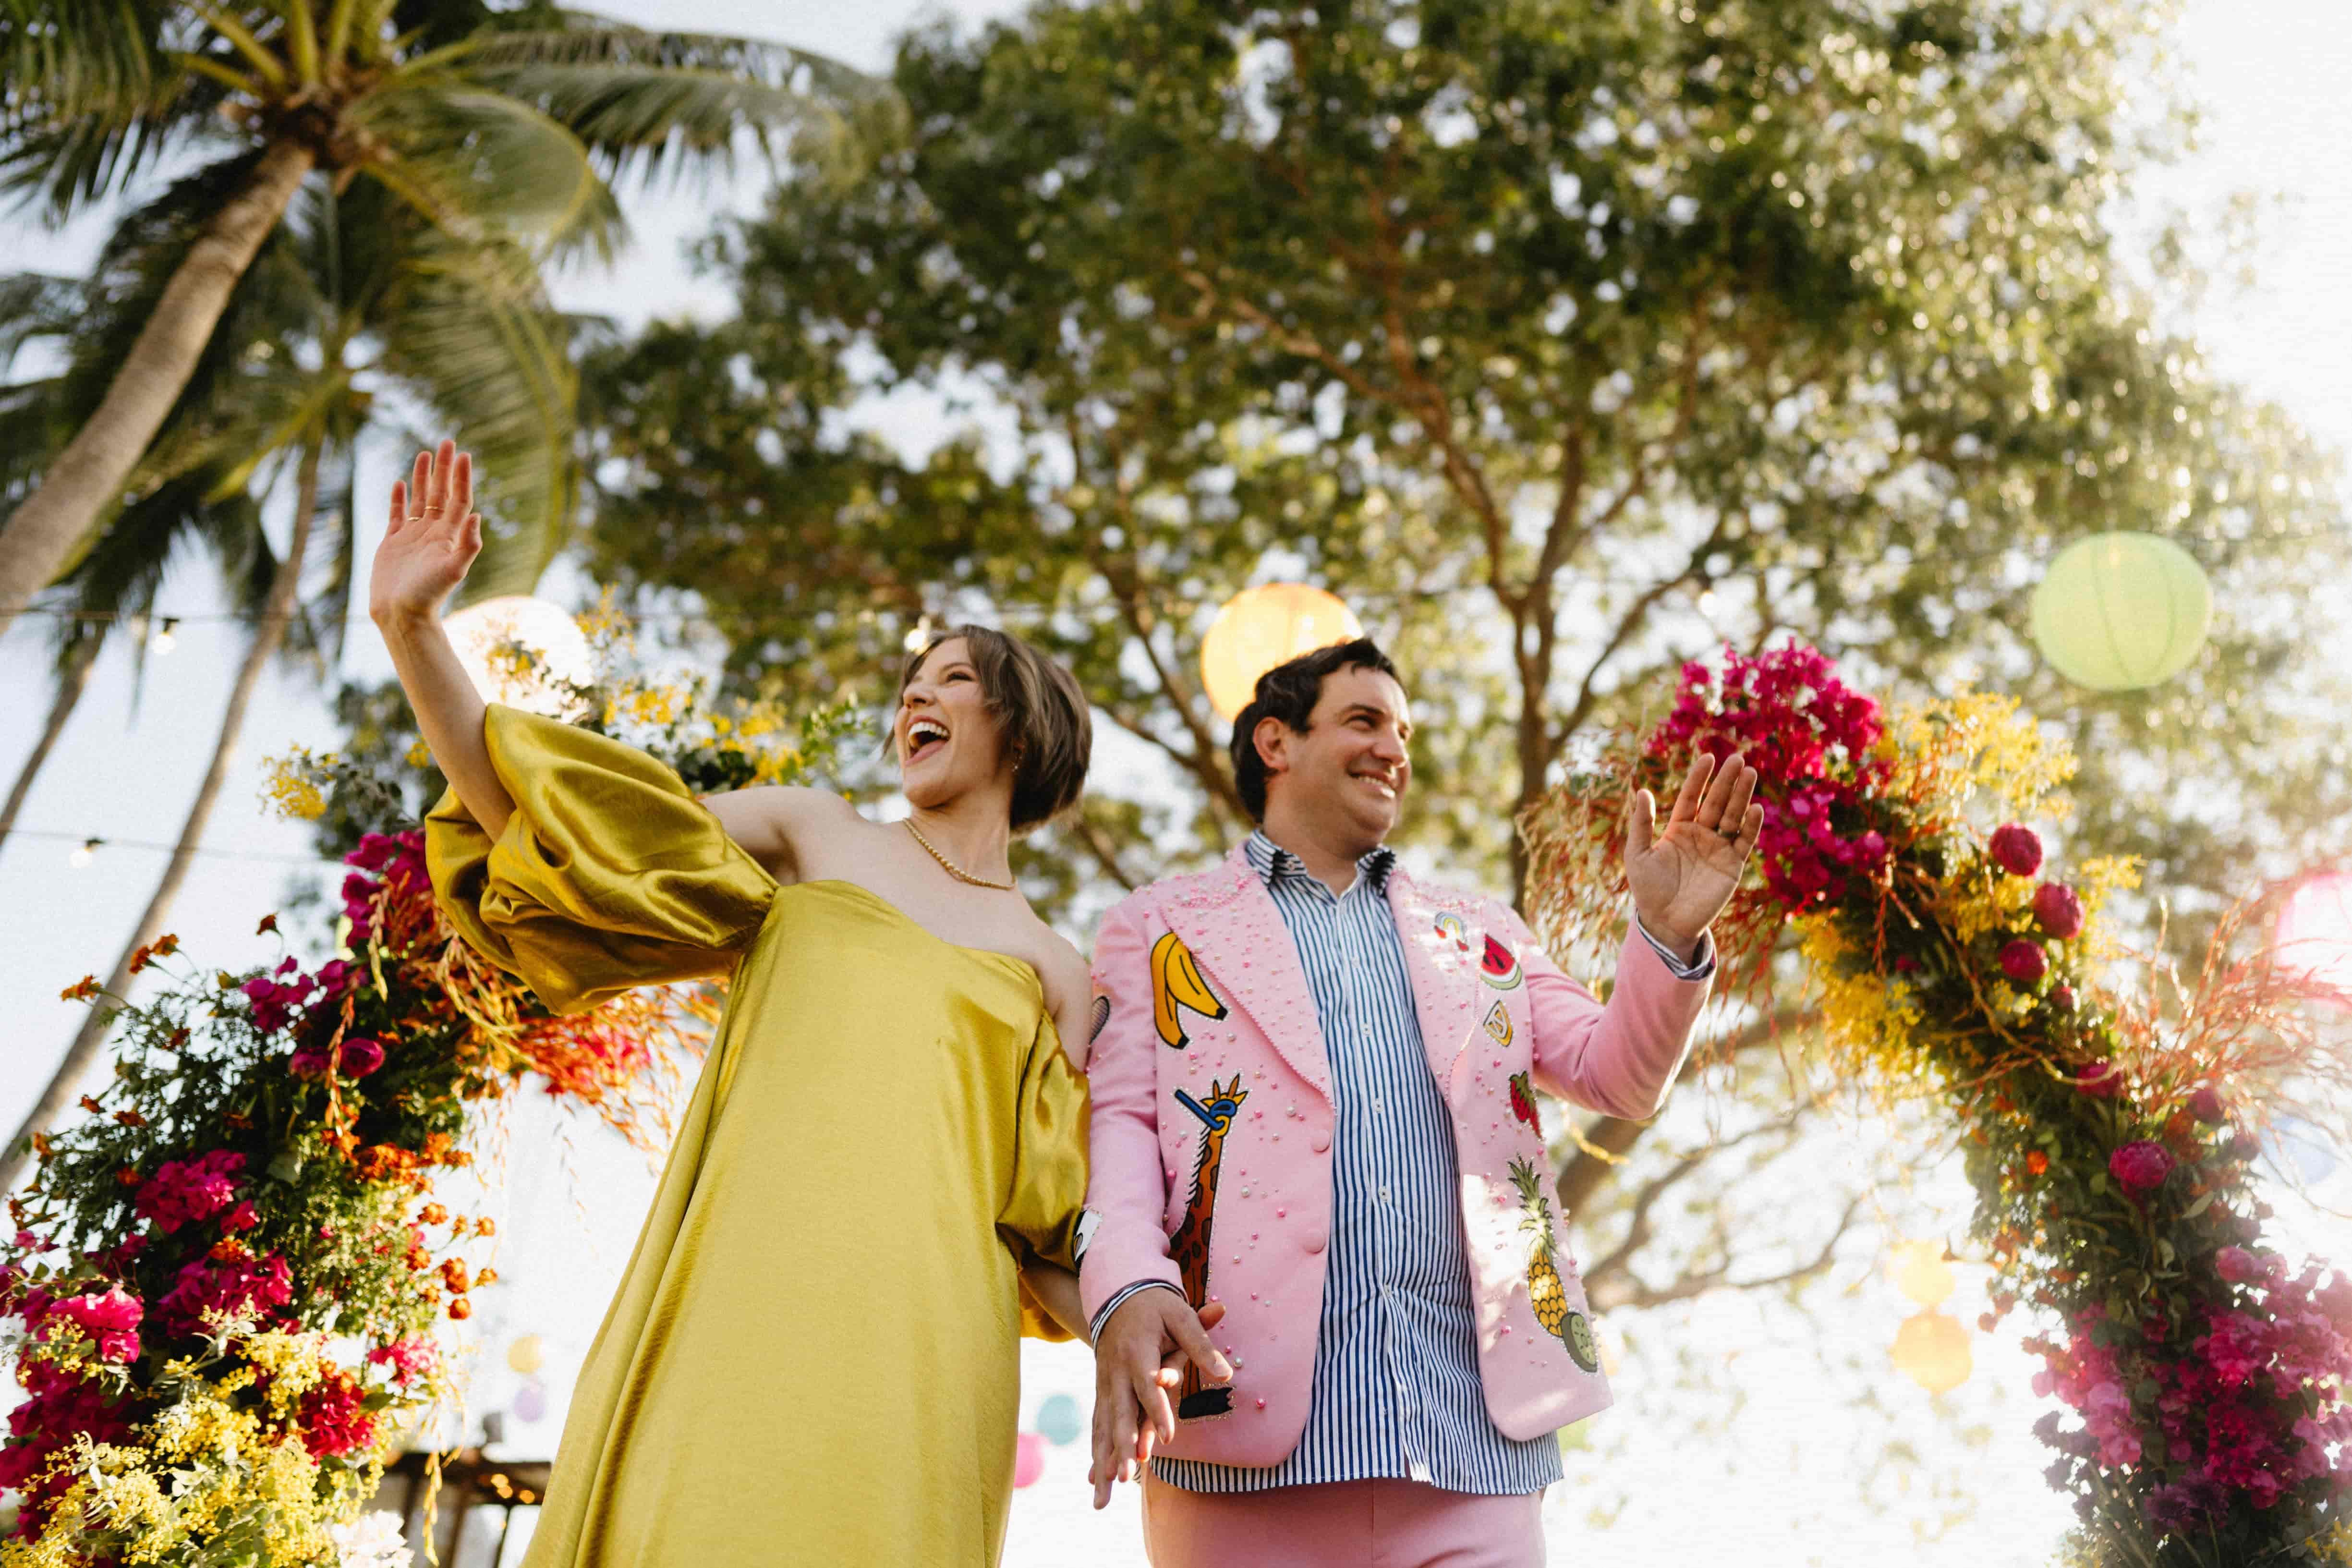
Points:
[(952, 869)]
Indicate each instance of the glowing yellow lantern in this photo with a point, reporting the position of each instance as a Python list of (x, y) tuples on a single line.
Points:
[(527, 1355), (524, 652), (2117, 612), (1263, 626), (1932, 1350), (1921, 1273)]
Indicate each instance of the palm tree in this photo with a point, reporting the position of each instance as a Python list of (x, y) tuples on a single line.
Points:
[(367, 308), (506, 125)]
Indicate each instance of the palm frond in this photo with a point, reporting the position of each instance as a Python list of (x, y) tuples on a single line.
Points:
[(478, 164), (650, 103), (471, 336), (75, 58), (32, 306)]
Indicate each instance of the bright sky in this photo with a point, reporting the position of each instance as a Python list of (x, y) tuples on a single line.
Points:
[(1781, 1478)]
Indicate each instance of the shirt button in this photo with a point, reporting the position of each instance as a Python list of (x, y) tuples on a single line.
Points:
[(1384, 1192)]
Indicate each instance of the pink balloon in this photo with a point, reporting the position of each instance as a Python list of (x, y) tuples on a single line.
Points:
[(2314, 929), (529, 1402), (1028, 1458)]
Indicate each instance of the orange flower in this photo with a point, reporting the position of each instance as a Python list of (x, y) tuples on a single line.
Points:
[(89, 1103), (486, 1226), (2037, 1161), (269, 923), (487, 1277), (127, 1176), (227, 1247), (453, 1275), (81, 990), (165, 945), (460, 1308), (130, 1119), (41, 1145), (433, 1214)]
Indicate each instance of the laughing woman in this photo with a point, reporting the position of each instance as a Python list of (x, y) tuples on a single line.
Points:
[(813, 1357)]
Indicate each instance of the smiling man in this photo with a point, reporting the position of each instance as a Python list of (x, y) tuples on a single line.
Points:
[(1311, 1080)]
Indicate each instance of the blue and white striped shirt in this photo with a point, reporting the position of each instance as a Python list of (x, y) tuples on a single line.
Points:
[(1396, 1391)]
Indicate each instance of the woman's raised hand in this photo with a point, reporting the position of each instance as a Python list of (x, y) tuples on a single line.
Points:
[(435, 535)]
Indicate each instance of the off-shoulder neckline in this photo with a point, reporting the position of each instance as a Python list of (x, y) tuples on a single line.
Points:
[(878, 901)]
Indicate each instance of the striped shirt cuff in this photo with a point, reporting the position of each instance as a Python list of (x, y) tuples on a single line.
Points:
[(1095, 1329), (1702, 964)]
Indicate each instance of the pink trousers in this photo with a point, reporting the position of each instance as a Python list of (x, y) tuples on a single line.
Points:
[(1342, 1524)]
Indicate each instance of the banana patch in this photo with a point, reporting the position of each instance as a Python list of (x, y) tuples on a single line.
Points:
[(1177, 986)]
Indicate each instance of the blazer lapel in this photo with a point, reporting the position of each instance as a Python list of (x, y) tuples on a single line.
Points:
[(1445, 991), (1242, 943)]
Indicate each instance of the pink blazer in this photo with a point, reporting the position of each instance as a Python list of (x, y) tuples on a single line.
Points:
[(1212, 1133)]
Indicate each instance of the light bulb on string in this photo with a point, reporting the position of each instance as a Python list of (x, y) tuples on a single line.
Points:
[(83, 853), (167, 637), (918, 635)]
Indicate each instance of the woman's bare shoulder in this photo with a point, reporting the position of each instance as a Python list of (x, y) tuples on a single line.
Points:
[(774, 823)]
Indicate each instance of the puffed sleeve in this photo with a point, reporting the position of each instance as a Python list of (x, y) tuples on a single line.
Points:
[(609, 875), (1048, 1191)]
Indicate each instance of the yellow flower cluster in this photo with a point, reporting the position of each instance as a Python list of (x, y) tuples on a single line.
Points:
[(1976, 742), (1867, 1018), (206, 1467), (292, 785)]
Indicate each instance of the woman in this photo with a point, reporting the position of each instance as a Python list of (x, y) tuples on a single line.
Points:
[(813, 1357)]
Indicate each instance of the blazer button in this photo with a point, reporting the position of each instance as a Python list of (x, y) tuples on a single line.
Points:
[(1322, 1144), (1315, 1243)]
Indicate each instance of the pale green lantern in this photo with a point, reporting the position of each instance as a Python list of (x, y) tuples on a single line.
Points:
[(2117, 612)]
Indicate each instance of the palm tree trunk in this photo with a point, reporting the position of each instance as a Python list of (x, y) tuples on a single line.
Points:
[(73, 680), (40, 536), (278, 610)]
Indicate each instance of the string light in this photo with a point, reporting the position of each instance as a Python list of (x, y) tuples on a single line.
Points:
[(87, 846), (83, 853), (166, 639)]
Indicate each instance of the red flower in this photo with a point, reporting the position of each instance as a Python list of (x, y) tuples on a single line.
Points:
[(2058, 909), (335, 1419), (2206, 1105), (183, 1191), (2102, 1078), (2024, 961), (311, 1061), (360, 1057), (2141, 1164), (240, 1219), (2037, 1161), (2016, 849)]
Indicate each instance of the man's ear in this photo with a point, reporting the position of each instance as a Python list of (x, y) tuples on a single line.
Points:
[(1272, 737)]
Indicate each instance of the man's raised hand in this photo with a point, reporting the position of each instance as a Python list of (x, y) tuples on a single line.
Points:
[(433, 537), (1139, 1360), (1684, 874)]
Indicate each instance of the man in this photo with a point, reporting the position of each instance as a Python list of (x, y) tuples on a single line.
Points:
[(1311, 1081)]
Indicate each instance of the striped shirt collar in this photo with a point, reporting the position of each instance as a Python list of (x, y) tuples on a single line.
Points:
[(1273, 863)]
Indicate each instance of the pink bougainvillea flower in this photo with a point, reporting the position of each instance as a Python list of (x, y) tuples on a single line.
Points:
[(335, 1419), (230, 1286), (2141, 1164), (111, 1318), (185, 1190), (2058, 908), (360, 1057), (2016, 849), (239, 1219), (2236, 1265), (2024, 961), (410, 1358)]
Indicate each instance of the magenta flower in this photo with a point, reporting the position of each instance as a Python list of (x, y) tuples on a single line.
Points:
[(111, 1319), (2102, 1078), (2024, 961), (311, 1061), (2016, 849), (2206, 1105), (360, 1057), (241, 1218), (2059, 910), (2141, 1164), (231, 1287), (2062, 998), (410, 1358), (187, 1190)]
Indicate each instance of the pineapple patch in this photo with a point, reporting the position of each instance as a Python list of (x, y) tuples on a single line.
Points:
[(1546, 1293)]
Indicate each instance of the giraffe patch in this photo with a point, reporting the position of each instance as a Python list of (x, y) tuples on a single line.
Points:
[(1189, 1247)]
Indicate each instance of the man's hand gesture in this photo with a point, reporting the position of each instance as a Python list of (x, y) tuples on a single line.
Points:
[(1139, 1360), (1683, 875)]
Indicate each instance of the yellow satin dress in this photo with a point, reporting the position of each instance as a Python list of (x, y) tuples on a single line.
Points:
[(814, 1357)]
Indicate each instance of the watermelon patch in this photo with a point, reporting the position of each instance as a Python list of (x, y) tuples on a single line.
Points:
[(1499, 967)]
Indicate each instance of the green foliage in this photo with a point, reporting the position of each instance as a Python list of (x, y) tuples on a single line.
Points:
[(1565, 341)]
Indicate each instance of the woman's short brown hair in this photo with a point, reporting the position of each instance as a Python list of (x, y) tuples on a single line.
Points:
[(1041, 714)]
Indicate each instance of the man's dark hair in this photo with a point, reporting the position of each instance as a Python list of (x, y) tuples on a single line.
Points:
[(1289, 692)]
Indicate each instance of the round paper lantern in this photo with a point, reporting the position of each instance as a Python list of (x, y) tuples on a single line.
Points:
[(1263, 626), (523, 652), (1921, 1273), (527, 1355), (2117, 612), (1932, 1350), (531, 1401), (1028, 1459), (2313, 934), (1058, 1420)]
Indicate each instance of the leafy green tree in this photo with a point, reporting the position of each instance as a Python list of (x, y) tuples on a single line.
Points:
[(484, 121)]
